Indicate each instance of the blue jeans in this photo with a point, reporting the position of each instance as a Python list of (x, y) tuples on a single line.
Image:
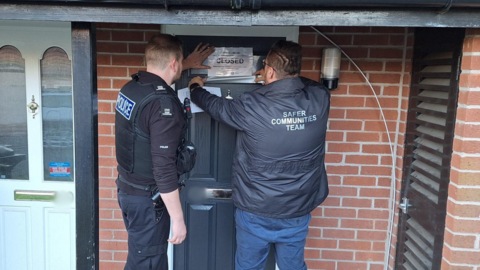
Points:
[(256, 233)]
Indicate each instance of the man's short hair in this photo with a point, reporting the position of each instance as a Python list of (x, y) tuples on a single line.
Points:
[(285, 57), (161, 49)]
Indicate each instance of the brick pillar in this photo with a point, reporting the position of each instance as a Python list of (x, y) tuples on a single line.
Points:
[(120, 53), (461, 250)]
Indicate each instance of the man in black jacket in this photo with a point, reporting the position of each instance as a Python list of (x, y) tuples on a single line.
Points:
[(149, 126), (278, 169)]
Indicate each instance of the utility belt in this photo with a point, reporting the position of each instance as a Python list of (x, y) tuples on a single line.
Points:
[(152, 189)]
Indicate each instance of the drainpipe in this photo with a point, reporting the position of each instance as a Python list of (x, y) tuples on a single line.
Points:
[(272, 4), (276, 4)]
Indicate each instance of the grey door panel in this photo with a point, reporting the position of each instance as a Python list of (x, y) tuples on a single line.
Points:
[(210, 243)]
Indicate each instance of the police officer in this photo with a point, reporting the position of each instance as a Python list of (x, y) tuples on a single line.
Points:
[(278, 168), (149, 127)]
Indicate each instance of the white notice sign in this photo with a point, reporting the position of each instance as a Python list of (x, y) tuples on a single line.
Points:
[(231, 61), (185, 92)]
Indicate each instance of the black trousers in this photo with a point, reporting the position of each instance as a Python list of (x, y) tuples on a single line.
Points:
[(148, 230)]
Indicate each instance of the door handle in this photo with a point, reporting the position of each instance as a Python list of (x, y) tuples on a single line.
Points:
[(216, 193), (405, 206), (228, 95)]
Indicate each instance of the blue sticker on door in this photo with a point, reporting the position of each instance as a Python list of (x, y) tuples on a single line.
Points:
[(60, 169)]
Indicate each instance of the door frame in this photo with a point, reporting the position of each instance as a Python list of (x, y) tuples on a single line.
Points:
[(85, 104), (291, 33)]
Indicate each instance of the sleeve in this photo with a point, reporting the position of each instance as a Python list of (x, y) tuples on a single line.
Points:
[(165, 135), (230, 112)]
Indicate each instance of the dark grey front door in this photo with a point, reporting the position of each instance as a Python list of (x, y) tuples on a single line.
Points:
[(210, 243)]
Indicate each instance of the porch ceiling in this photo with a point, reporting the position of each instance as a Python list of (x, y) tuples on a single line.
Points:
[(155, 15)]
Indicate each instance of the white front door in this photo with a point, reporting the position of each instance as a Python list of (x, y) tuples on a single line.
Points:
[(37, 184)]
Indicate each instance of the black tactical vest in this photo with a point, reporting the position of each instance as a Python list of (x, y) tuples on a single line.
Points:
[(132, 144)]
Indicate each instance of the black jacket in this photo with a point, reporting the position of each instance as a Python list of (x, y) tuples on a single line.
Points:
[(278, 167), (149, 125)]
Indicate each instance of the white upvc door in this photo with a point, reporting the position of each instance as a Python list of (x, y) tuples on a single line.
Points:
[(37, 185)]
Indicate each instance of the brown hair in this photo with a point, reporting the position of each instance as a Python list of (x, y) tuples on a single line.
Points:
[(285, 57), (161, 49)]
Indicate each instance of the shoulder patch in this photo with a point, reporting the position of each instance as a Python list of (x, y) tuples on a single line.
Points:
[(167, 112), (166, 107), (124, 106)]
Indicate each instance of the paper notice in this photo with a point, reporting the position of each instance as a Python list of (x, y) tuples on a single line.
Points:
[(231, 61), (185, 93)]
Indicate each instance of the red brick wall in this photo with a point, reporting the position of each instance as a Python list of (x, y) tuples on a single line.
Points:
[(120, 53), (461, 249), (350, 230)]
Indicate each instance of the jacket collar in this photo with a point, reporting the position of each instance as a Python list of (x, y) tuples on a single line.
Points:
[(147, 77), (283, 86)]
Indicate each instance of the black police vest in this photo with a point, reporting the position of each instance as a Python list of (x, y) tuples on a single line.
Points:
[(132, 144)]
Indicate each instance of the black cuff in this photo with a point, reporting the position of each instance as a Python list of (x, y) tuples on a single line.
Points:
[(193, 86)]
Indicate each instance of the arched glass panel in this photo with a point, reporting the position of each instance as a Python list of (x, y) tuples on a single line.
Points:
[(57, 115), (13, 115)]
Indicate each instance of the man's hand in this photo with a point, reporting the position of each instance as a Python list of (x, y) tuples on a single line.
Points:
[(260, 76), (196, 58), (198, 80), (174, 208), (179, 232)]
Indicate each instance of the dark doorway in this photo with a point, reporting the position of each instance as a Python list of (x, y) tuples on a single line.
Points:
[(210, 244), (428, 149)]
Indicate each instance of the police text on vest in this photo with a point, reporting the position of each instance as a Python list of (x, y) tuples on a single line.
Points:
[(124, 106)]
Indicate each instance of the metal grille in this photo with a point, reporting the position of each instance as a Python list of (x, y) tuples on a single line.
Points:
[(429, 139), (419, 246), (430, 124)]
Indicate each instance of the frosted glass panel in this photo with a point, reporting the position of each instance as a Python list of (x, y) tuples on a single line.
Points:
[(13, 115), (57, 115)]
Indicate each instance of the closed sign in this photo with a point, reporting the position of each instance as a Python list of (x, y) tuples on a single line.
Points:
[(231, 61)]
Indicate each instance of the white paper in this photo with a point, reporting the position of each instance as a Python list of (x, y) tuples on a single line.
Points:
[(185, 93), (231, 61)]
